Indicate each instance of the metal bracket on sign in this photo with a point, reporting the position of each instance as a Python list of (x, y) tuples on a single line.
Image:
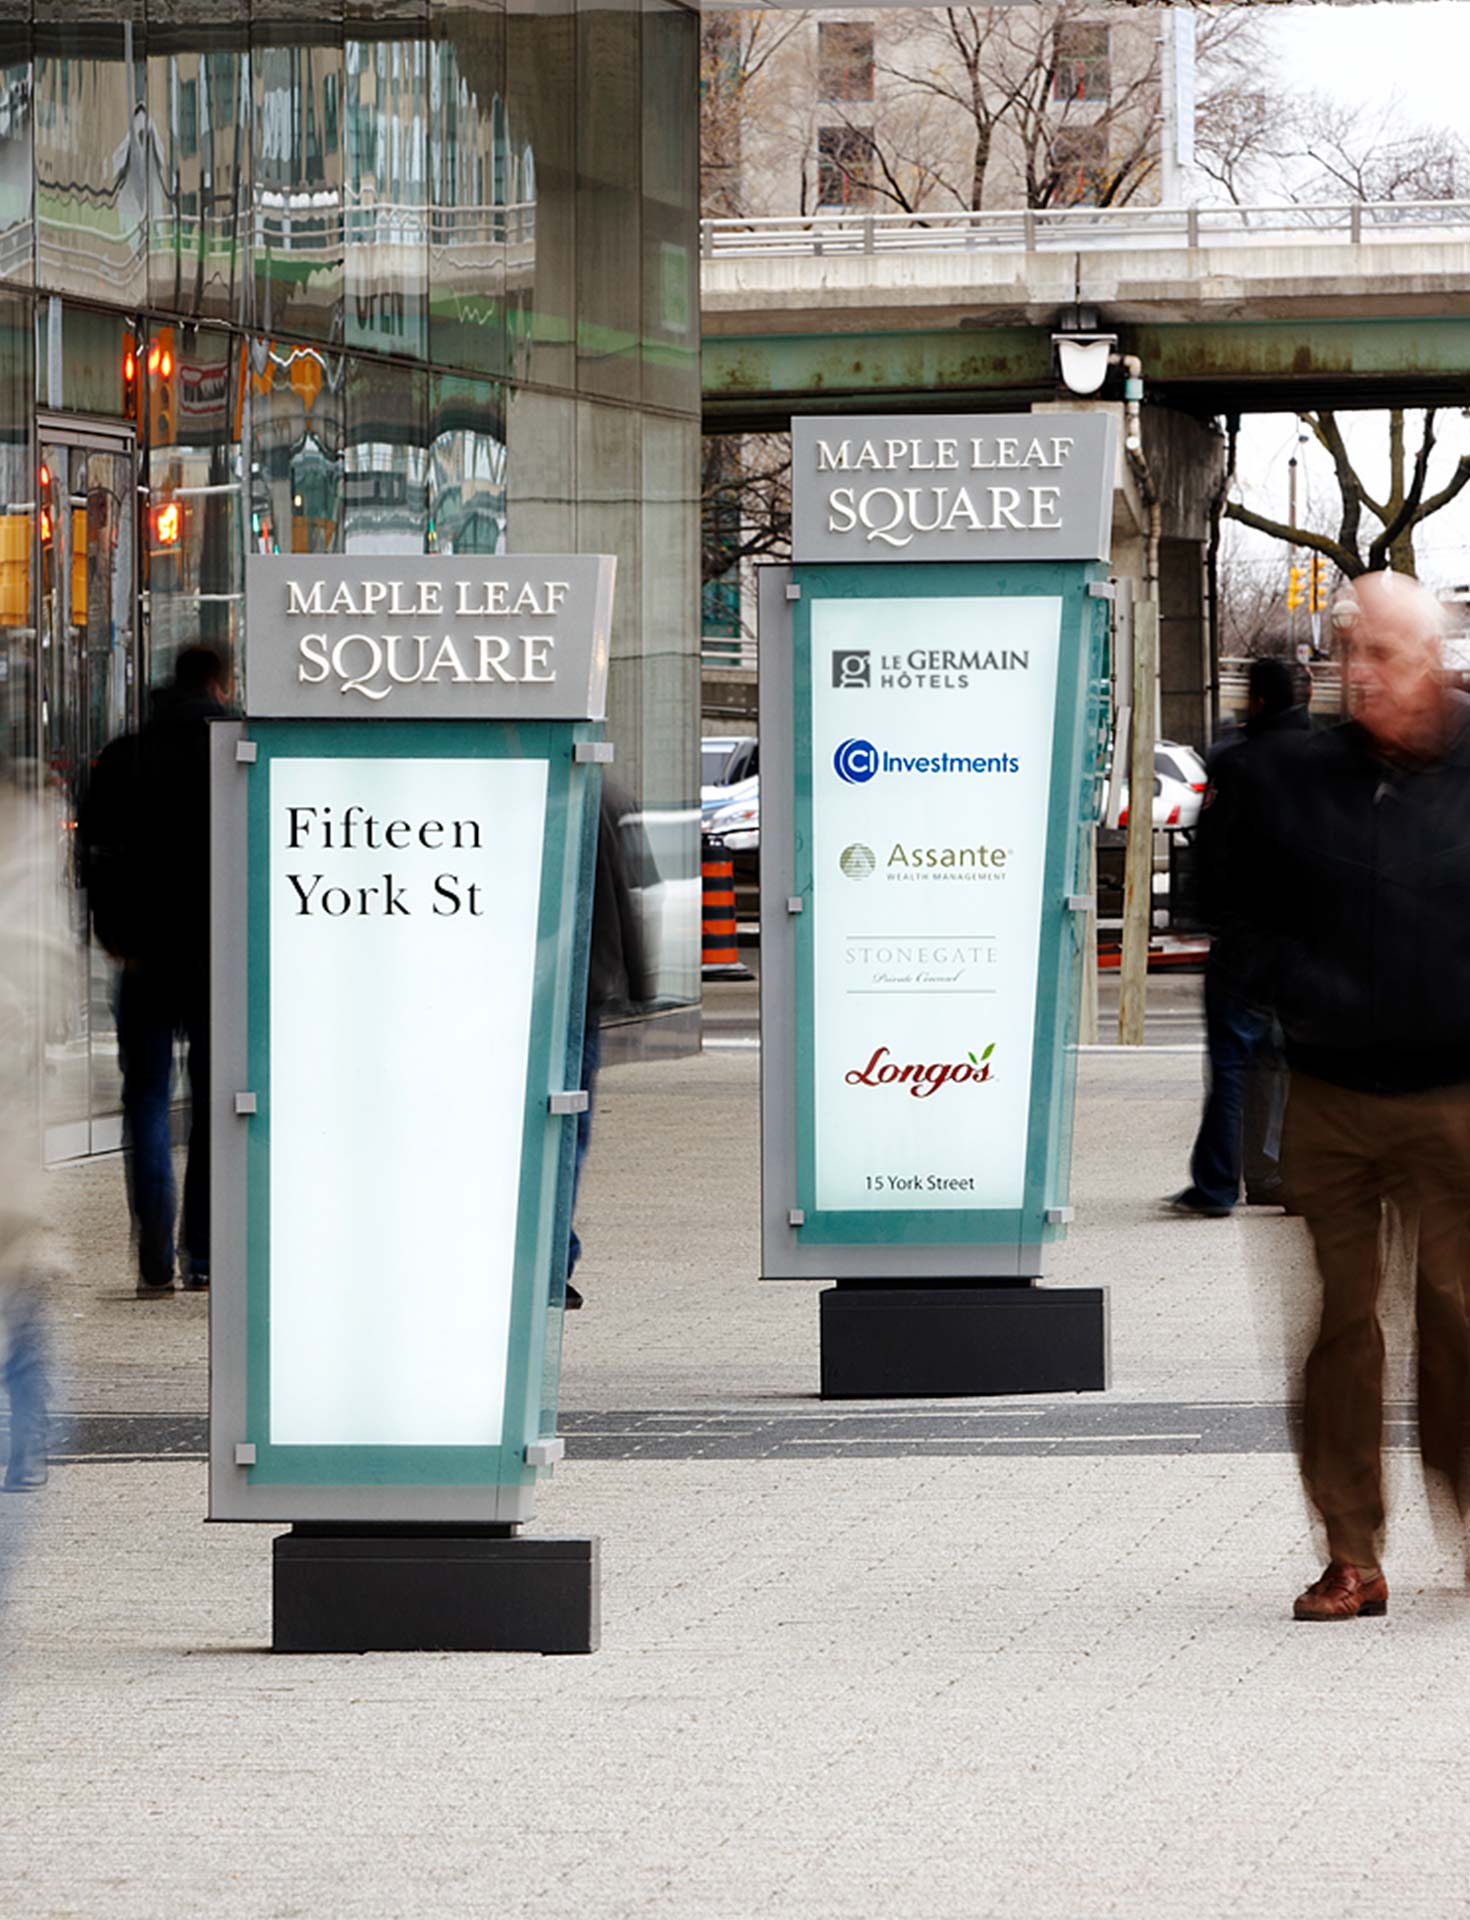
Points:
[(247, 751), (1081, 902), (793, 593), (795, 903), (245, 1103), (545, 1453), (572, 1102), (593, 753), (796, 1218), (244, 1453), (1058, 1216), (1102, 589)]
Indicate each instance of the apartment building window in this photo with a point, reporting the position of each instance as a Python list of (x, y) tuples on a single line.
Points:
[(844, 60), (1083, 69), (844, 167), (1080, 159)]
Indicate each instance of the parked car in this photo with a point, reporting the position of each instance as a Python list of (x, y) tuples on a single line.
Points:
[(1179, 787), (737, 819), (725, 762)]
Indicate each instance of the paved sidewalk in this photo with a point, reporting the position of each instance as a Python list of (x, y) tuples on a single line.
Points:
[(953, 1660)]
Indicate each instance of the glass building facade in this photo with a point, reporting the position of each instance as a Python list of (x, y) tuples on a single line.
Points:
[(377, 276)]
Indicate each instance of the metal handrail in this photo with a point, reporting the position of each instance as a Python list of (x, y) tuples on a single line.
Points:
[(1034, 228)]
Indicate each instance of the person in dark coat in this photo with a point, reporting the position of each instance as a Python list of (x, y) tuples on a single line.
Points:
[(1363, 871), (145, 835), (1240, 1130), (617, 969)]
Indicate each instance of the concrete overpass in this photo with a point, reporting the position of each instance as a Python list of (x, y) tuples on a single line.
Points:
[(1244, 309), (1227, 310)]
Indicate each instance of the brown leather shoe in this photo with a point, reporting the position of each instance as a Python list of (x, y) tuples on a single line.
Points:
[(1343, 1593)]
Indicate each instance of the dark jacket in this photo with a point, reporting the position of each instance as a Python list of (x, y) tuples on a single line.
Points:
[(144, 832), (1223, 850), (1363, 889), (617, 970)]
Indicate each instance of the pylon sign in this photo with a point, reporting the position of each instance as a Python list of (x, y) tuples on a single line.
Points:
[(403, 830), (932, 671)]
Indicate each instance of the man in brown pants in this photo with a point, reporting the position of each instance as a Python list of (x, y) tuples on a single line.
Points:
[(1363, 836)]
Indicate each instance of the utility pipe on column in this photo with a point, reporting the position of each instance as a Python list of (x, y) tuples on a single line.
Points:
[(1138, 885)]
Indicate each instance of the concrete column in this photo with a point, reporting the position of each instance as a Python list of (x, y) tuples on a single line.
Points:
[(1184, 647)]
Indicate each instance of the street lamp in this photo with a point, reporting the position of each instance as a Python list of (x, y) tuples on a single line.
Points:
[(1083, 359)]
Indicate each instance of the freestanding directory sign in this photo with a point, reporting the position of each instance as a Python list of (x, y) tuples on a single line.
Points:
[(402, 837), (931, 678)]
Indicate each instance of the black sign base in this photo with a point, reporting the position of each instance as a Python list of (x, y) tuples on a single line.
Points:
[(919, 1341), (424, 1589)]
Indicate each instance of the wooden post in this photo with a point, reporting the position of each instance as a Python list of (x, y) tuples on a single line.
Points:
[(1138, 886)]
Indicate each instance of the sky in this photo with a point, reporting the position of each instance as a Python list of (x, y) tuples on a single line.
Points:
[(1419, 50)]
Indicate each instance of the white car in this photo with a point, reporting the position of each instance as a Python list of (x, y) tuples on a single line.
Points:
[(737, 820), (1179, 787), (726, 761)]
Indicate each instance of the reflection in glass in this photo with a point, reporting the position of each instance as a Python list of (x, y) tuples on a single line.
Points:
[(385, 175), (541, 498), (194, 551), (385, 487), (472, 183), (296, 80), (670, 206), (467, 465), (18, 708), (609, 77), (297, 433), (540, 272), (670, 901), (609, 520), (16, 235), (85, 542), (198, 93), (91, 148)]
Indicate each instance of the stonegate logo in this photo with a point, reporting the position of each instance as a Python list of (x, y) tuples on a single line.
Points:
[(857, 861), (923, 1082), (857, 761)]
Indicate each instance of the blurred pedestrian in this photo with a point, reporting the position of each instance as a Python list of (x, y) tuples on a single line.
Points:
[(617, 970), (1364, 864), (32, 950), (1240, 1131), (145, 835)]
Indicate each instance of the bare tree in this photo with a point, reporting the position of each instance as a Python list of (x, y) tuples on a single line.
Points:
[(1405, 506), (746, 495), (736, 54)]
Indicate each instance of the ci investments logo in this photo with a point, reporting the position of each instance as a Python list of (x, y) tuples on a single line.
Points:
[(856, 762)]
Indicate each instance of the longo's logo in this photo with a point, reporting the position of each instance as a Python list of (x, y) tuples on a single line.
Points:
[(922, 1081)]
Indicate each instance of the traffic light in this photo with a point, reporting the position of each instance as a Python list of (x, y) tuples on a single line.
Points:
[(168, 523), (1317, 589), (1296, 588), (130, 378), (163, 375)]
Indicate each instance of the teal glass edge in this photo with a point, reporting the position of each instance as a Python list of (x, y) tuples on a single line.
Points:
[(1054, 1033), (544, 1201)]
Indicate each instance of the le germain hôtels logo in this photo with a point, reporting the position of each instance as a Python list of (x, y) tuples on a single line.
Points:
[(923, 1082)]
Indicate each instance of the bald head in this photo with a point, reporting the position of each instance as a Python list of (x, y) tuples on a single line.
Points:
[(1390, 630)]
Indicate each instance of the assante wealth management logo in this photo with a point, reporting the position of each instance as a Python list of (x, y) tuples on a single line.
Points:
[(856, 762)]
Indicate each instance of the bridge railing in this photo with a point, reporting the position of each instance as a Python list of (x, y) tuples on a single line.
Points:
[(1031, 230)]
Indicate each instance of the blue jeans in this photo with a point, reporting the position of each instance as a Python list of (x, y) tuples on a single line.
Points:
[(151, 1009), (591, 1060), (1241, 1127)]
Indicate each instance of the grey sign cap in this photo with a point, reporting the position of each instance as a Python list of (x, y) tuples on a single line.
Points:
[(425, 637), (952, 486)]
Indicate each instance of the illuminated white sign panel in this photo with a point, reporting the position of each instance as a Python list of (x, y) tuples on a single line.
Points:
[(403, 916), (932, 729)]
